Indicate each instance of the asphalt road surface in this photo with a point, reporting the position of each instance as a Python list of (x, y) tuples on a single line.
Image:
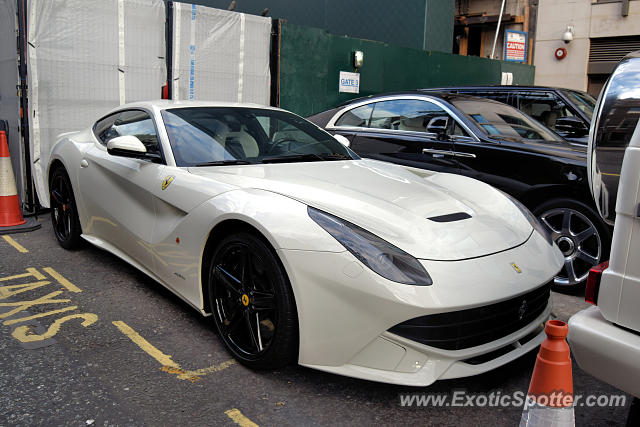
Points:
[(86, 339)]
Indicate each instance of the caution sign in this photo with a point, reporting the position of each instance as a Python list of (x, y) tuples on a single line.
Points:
[(515, 46)]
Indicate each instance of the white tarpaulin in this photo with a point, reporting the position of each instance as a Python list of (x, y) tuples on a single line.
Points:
[(86, 57), (220, 55), (9, 107)]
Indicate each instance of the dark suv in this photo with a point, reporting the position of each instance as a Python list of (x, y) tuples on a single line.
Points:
[(568, 112)]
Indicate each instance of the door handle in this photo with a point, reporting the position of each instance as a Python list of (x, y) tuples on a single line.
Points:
[(84, 163), (461, 154), (437, 153)]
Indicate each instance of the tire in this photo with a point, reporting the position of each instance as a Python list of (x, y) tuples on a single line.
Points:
[(252, 302), (585, 242), (64, 211)]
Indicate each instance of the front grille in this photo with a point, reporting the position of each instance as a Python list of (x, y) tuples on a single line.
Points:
[(476, 326), (487, 357)]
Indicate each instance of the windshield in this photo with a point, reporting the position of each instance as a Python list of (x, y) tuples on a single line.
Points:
[(207, 136), (585, 102), (501, 121)]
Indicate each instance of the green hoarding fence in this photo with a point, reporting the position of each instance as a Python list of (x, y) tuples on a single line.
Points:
[(311, 60)]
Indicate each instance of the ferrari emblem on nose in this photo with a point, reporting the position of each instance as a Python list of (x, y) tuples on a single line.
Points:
[(165, 182), (515, 267)]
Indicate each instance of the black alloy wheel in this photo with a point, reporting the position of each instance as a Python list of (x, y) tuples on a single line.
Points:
[(64, 214), (581, 236), (252, 303)]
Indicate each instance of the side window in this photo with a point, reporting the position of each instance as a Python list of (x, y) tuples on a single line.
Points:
[(137, 123), (545, 107), (457, 130), (102, 128), (495, 95), (411, 115), (358, 117)]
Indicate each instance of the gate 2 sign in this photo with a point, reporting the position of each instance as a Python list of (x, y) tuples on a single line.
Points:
[(515, 46), (349, 82)]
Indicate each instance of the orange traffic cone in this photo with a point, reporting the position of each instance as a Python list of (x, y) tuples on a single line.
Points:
[(550, 397), (11, 220)]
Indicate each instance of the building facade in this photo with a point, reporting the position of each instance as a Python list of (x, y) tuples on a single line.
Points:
[(476, 22), (603, 32)]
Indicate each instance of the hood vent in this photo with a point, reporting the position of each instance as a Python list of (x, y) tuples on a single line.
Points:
[(458, 216)]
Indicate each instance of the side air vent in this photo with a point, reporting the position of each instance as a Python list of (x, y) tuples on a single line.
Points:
[(458, 216)]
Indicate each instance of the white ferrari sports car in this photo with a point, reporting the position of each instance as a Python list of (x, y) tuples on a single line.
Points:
[(301, 250)]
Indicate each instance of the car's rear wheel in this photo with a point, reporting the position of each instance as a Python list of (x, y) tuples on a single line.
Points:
[(581, 235), (64, 213), (252, 302)]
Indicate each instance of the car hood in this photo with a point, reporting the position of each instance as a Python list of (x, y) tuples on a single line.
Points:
[(395, 203)]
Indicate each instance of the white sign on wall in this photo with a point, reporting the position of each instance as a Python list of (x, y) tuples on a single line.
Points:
[(349, 82), (507, 79)]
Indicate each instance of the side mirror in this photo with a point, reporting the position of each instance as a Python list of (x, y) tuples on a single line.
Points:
[(571, 126), (129, 146), (438, 126), (342, 140)]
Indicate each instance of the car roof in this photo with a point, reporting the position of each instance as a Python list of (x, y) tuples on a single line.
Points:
[(165, 104), (502, 87), (446, 96)]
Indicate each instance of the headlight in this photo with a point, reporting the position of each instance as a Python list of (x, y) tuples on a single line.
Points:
[(379, 255), (537, 225)]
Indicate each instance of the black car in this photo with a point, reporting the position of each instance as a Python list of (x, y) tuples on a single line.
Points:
[(568, 112), (489, 141)]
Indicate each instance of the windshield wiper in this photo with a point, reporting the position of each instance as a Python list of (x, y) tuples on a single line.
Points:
[(225, 162), (309, 157)]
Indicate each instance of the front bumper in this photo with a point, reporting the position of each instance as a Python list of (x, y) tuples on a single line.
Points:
[(606, 351), (396, 360), (345, 312)]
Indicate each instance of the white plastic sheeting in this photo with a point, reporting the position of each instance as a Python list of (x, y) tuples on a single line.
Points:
[(9, 107), (84, 58), (220, 55)]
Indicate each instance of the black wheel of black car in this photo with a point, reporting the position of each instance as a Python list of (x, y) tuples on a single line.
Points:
[(64, 214), (252, 302), (581, 235)]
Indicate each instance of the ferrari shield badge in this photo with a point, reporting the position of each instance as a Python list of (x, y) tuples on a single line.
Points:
[(168, 180), (516, 268)]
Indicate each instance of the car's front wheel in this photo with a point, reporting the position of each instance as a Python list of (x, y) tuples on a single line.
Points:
[(64, 213), (252, 302), (583, 238)]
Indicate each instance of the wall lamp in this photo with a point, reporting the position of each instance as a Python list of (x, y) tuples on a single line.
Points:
[(358, 59)]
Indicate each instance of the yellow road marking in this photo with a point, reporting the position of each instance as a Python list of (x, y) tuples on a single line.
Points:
[(240, 419), (37, 316), (64, 282), (163, 359), (24, 334), (31, 272), (609, 174), (24, 305), (195, 375), (15, 244), (168, 365), (10, 290)]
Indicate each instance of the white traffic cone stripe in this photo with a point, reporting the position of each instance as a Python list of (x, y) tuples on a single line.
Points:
[(7, 181), (535, 415)]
